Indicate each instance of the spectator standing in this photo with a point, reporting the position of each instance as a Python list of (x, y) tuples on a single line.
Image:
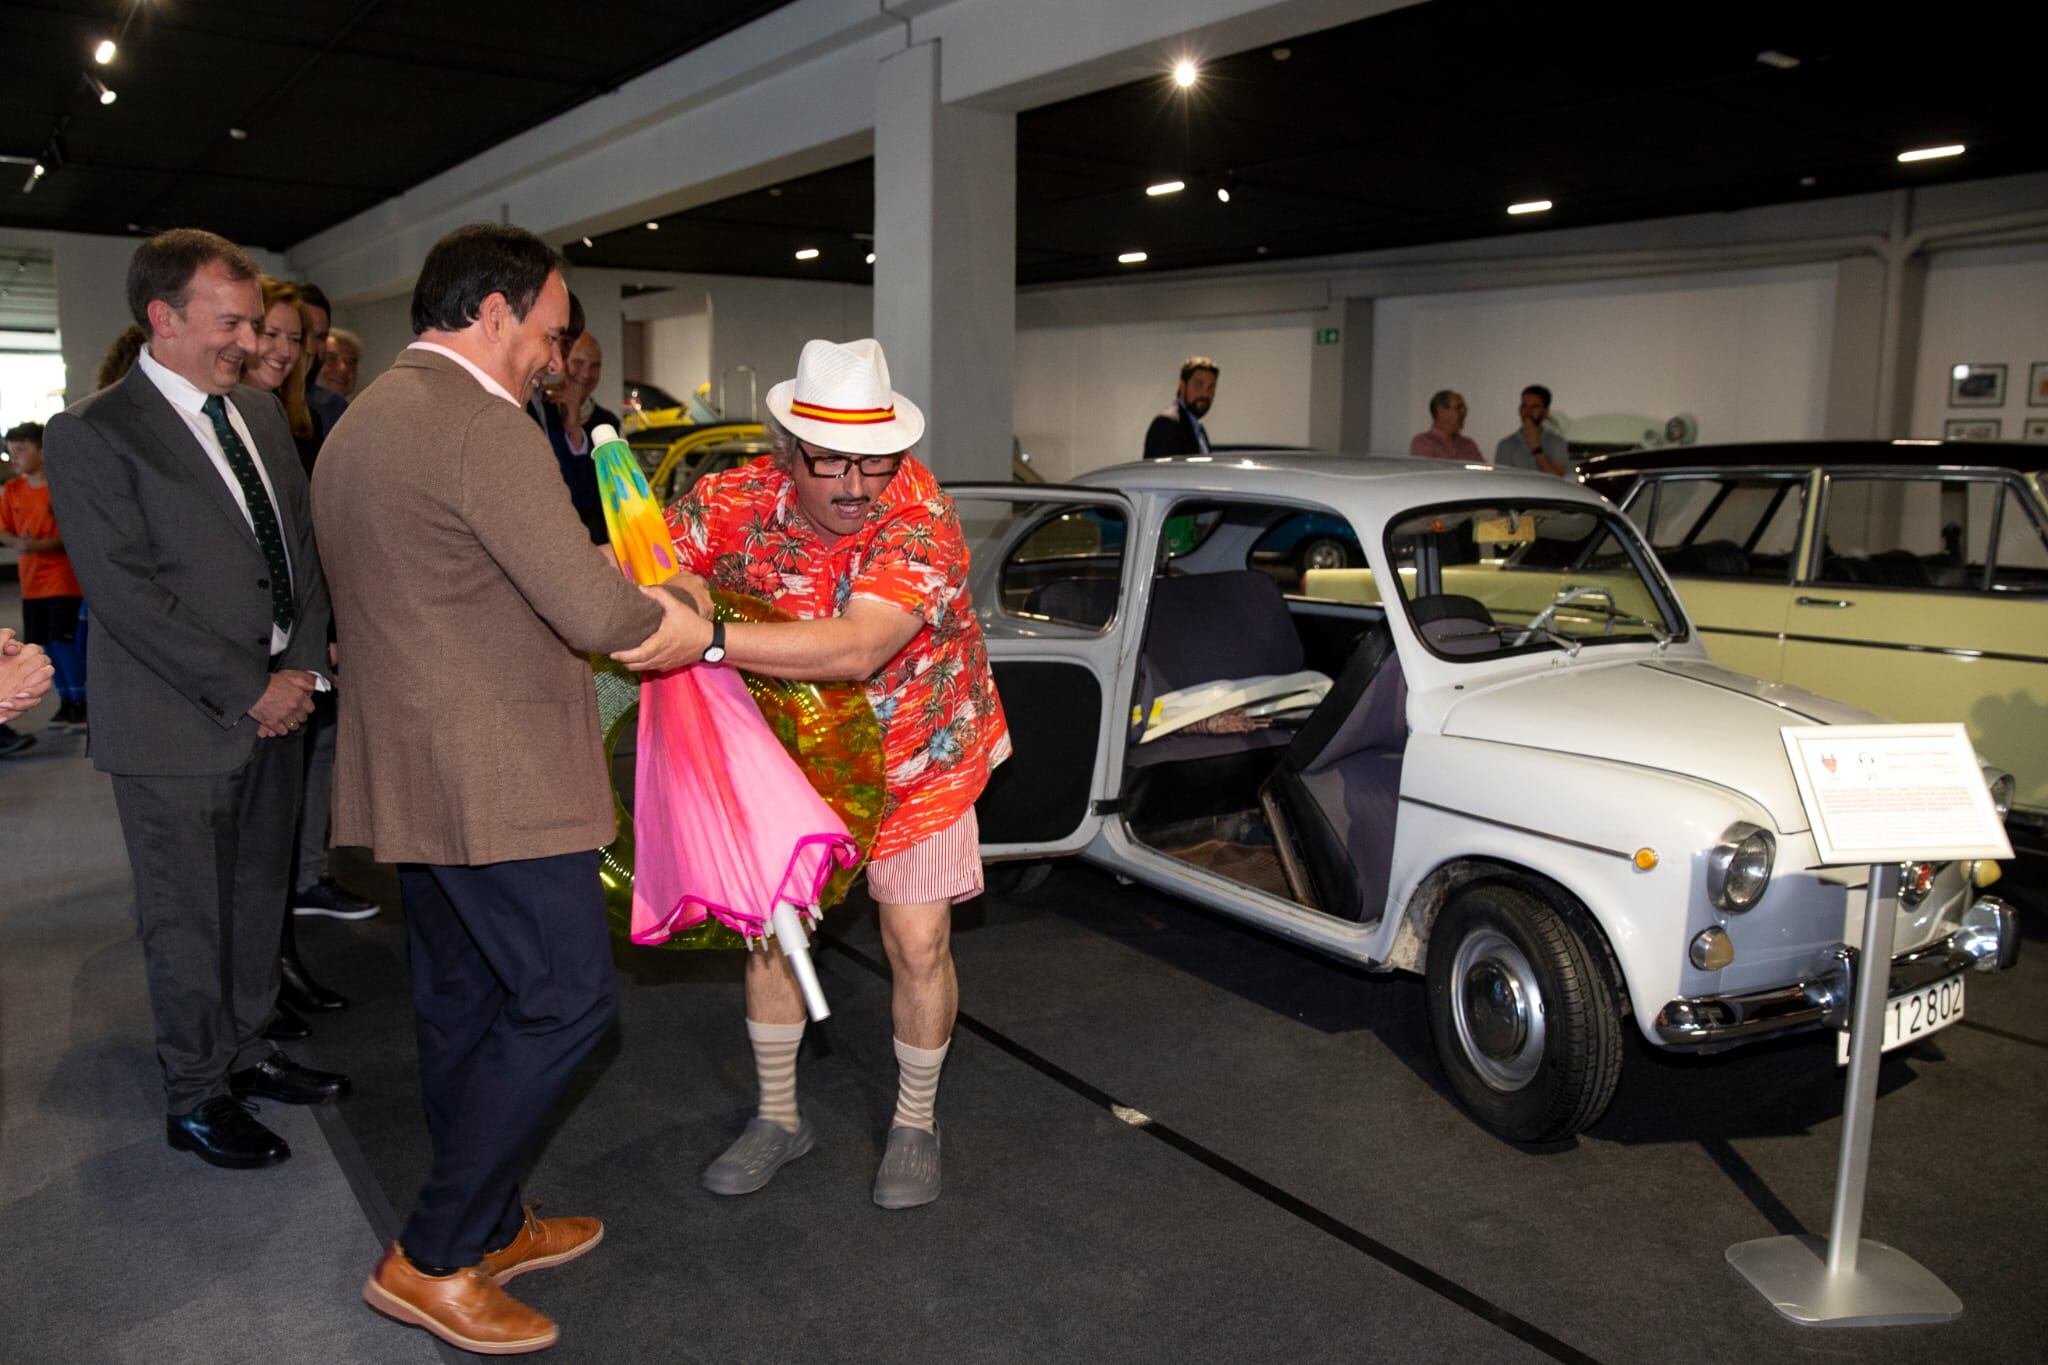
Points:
[(571, 415), (1443, 439), (339, 368), (319, 332), (279, 363), (184, 504), (1533, 445), (50, 595), (1179, 429)]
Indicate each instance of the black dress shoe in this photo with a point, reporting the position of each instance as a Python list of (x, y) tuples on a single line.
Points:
[(224, 1132), (278, 1077), (287, 1027), (297, 987)]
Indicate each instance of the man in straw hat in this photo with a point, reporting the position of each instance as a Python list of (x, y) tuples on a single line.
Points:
[(844, 528)]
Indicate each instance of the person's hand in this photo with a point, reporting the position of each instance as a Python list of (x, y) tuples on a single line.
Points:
[(286, 702), (25, 676), (681, 639), (694, 591)]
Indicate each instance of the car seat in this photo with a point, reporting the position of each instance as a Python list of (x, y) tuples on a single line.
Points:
[(1446, 622), (1205, 627)]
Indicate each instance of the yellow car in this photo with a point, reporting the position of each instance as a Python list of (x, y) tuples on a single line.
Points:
[(1906, 577)]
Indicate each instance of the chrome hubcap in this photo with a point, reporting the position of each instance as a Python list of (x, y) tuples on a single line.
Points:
[(1497, 1008), (1324, 554)]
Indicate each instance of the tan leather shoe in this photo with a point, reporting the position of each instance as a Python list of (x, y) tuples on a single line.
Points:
[(542, 1242), (466, 1309)]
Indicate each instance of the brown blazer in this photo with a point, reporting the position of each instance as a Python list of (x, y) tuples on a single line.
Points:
[(466, 595)]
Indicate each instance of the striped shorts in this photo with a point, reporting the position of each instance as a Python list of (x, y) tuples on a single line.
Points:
[(945, 867)]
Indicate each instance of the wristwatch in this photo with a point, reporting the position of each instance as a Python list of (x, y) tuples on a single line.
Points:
[(715, 651)]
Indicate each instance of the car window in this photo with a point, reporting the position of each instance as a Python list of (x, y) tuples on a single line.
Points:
[(2022, 562), (1051, 562), (1710, 527), (1485, 579), (1931, 533)]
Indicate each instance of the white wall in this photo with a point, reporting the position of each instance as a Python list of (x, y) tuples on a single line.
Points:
[(1084, 395), (1985, 306), (765, 323), (678, 352), (385, 325), (1746, 352)]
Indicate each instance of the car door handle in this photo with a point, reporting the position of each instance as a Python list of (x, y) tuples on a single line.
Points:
[(1821, 602)]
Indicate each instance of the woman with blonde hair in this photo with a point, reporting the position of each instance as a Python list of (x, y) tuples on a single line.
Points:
[(280, 361)]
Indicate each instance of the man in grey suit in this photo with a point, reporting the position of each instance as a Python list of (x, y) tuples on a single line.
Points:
[(185, 510)]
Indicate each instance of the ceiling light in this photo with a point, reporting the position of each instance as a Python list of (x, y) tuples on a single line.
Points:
[(1281, 54), (35, 178), (1131, 258), (1184, 73), (588, 242), (809, 253), (1932, 153), (108, 97), (1533, 206), (239, 134), (1784, 61), (1807, 182), (775, 191), (104, 53), (1166, 187), (653, 226), (871, 258), (1222, 194)]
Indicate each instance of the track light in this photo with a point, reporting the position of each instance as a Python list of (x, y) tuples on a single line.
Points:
[(1222, 194), (104, 53), (106, 96), (35, 178), (809, 253), (871, 258)]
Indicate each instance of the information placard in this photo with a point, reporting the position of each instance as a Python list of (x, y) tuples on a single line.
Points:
[(1894, 793)]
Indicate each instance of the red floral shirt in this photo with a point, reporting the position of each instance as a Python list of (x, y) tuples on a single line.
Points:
[(942, 723)]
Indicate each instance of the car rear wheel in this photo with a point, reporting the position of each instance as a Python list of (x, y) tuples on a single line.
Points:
[(1323, 552), (1522, 1014)]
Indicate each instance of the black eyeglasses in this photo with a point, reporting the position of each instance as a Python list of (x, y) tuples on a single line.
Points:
[(835, 466)]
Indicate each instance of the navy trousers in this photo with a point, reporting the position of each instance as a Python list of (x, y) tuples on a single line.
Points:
[(512, 985)]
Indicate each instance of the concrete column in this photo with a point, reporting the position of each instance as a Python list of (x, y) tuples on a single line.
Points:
[(945, 263), (1856, 339), (1340, 380)]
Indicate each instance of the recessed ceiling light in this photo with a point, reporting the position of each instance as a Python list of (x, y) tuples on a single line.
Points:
[(1166, 187), (1807, 182), (588, 242), (653, 226), (1533, 206), (1784, 61), (104, 53), (239, 134), (1261, 250), (1281, 54), (871, 258), (1131, 258), (775, 191), (809, 253), (1185, 73), (1932, 153), (1222, 194)]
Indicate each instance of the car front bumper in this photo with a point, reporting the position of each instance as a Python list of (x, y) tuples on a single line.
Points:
[(1987, 941)]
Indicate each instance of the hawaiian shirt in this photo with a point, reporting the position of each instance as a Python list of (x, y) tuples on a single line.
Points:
[(942, 723)]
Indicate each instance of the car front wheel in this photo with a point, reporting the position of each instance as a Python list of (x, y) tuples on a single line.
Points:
[(1324, 552), (1522, 1014)]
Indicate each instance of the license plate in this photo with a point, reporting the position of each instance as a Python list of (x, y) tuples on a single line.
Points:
[(1913, 1015)]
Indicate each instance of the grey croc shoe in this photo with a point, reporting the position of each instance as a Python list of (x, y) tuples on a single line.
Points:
[(909, 1174), (762, 1149)]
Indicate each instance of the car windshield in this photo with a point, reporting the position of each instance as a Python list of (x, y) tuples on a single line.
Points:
[(1492, 578)]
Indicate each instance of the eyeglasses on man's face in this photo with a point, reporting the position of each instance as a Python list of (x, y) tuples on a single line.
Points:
[(834, 466)]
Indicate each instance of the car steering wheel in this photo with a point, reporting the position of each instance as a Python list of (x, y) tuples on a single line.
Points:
[(1543, 618)]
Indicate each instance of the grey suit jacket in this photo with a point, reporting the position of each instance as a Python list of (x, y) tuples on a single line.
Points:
[(180, 641)]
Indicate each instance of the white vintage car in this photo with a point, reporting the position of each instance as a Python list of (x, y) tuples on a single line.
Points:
[(1496, 755)]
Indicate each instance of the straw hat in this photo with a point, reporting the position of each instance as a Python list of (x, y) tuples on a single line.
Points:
[(841, 400)]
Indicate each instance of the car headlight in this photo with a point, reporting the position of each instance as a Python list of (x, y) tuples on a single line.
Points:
[(1739, 867), (2001, 785)]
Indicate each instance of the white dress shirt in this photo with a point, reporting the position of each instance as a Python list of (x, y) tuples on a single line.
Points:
[(490, 385), (189, 400)]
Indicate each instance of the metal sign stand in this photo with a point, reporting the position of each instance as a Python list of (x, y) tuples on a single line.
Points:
[(1845, 1279)]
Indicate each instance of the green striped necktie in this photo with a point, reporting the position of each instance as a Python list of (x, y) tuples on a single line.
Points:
[(262, 515)]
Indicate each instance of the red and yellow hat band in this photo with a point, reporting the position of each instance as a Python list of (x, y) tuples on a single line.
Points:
[(817, 412)]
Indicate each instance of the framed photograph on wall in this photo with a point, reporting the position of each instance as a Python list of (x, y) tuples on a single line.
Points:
[(1971, 429), (2037, 385), (2036, 429), (1976, 386)]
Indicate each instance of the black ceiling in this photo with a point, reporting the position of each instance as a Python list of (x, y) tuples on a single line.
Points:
[(346, 103), (1420, 125)]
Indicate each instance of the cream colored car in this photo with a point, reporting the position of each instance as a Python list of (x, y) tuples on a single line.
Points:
[(1908, 578)]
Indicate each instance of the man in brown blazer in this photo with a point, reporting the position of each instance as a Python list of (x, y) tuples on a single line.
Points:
[(466, 596)]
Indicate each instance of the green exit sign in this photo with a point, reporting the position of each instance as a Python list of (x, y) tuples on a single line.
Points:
[(1328, 336)]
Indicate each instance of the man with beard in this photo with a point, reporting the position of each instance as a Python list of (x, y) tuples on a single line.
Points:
[(1178, 430)]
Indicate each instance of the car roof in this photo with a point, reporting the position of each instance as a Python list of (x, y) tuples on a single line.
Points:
[(1613, 474), (1375, 480)]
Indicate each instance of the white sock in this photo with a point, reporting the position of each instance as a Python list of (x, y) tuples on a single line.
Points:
[(775, 1048), (917, 1084)]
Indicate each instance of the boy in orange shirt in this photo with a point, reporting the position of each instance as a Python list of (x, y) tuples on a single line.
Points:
[(50, 595)]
